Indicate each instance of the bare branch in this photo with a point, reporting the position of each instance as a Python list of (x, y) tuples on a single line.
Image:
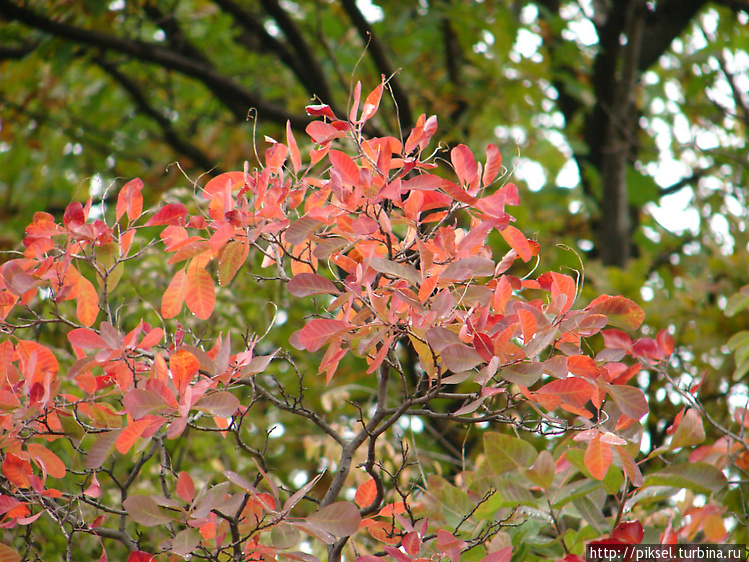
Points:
[(169, 134), (232, 95), (382, 61)]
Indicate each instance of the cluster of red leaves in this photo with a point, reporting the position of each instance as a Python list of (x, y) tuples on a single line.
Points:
[(415, 264)]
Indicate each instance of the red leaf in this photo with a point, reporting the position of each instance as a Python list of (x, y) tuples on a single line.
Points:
[(665, 342), (583, 366), (464, 268), (170, 214), (185, 487), (464, 164), (320, 110), (131, 434), (616, 339), (130, 200), (345, 166), (318, 332), (306, 284), (412, 543), (323, 132), (152, 338), (174, 296), (49, 461), (200, 294), (422, 182), (228, 181), (275, 156), (366, 493), (140, 556), (629, 532), (140, 402), (372, 103), (518, 242), (296, 159), (620, 311), (493, 164), (572, 391), (17, 470), (86, 338), (598, 457)]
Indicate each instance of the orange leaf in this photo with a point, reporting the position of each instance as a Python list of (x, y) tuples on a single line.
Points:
[(17, 470), (50, 462), (184, 366), (130, 200), (527, 324), (88, 302), (573, 391), (275, 156), (583, 366), (296, 159), (345, 166), (230, 259), (493, 164), (598, 457), (131, 434), (8, 554), (174, 296), (200, 295), (464, 164), (366, 493), (518, 242), (620, 311)]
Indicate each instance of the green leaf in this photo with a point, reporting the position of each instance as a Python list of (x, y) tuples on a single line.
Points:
[(736, 303), (543, 470), (592, 514), (699, 477), (506, 453)]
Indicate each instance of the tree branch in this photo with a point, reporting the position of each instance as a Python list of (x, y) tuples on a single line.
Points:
[(381, 60), (235, 97), (311, 71), (169, 134)]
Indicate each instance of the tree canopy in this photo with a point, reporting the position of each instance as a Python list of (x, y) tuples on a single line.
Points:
[(623, 124)]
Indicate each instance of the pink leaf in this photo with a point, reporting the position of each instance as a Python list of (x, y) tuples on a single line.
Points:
[(460, 357), (493, 164), (185, 487), (340, 519), (464, 164), (170, 214), (306, 284), (140, 402), (86, 338), (320, 331), (345, 166), (145, 511), (300, 229), (222, 404)]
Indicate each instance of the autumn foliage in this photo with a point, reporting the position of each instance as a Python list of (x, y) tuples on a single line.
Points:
[(413, 271)]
